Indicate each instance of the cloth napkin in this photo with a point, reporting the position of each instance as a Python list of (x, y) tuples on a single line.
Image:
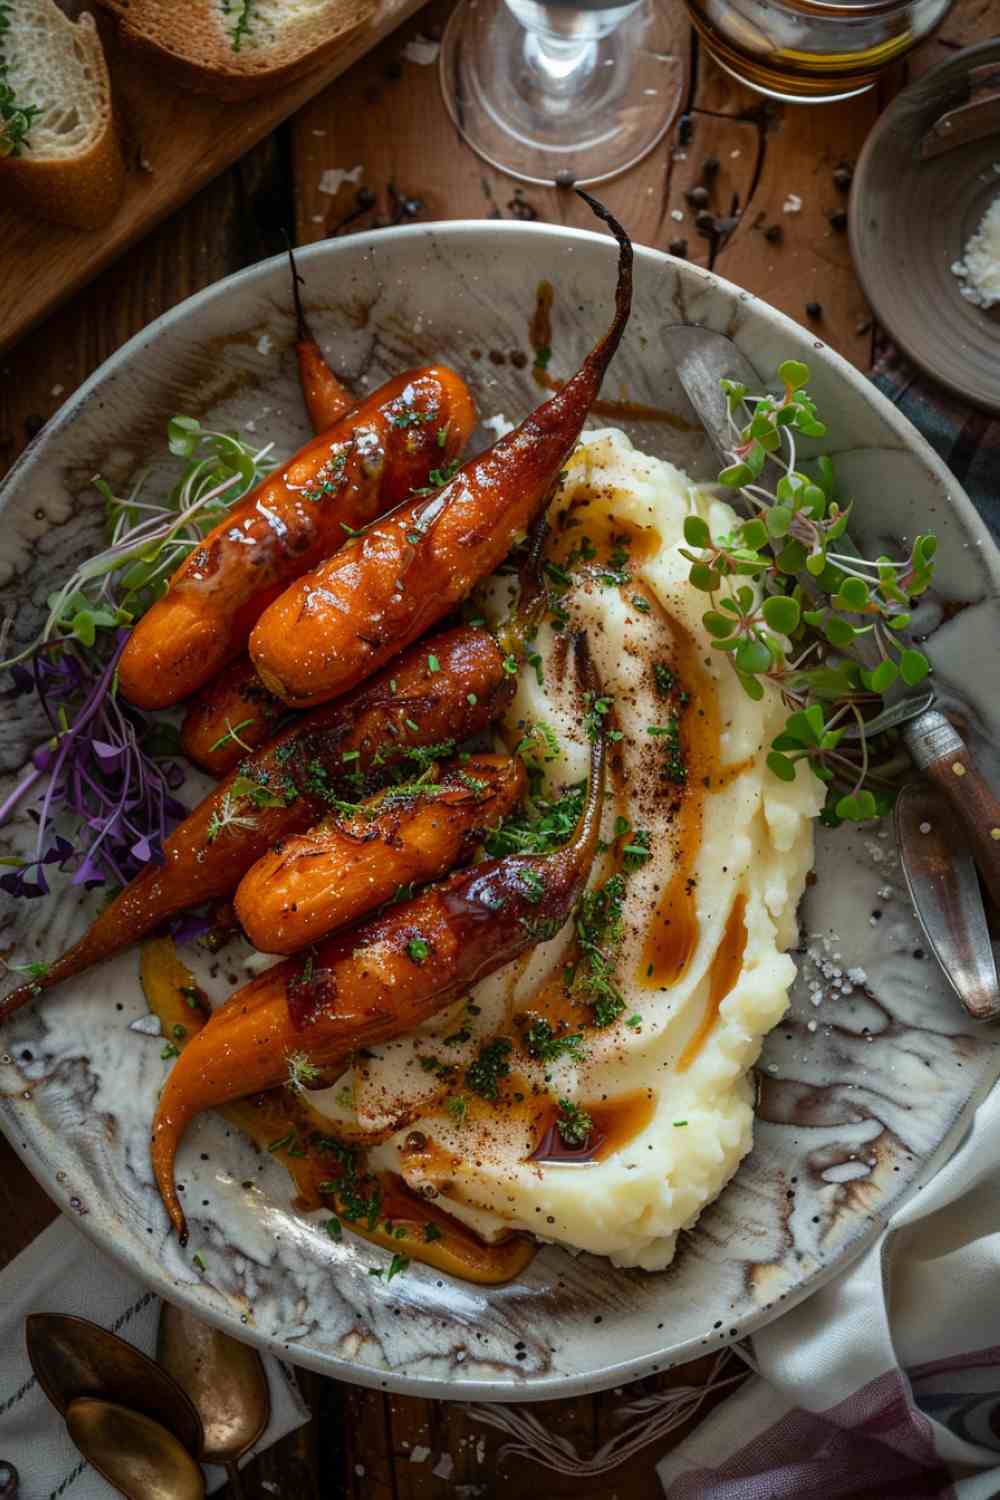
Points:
[(887, 1382), (61, 1271)]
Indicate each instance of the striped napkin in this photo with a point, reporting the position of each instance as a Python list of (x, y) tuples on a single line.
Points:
[(63, 1272)]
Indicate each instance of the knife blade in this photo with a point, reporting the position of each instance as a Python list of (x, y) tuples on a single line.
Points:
[(703, 359)]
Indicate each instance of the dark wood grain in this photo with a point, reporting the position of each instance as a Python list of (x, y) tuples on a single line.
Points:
[(385, 115)]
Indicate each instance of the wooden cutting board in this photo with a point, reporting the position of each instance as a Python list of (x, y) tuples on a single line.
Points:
[(175, 142)]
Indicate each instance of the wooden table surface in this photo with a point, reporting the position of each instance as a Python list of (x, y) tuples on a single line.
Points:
[(385, 115)]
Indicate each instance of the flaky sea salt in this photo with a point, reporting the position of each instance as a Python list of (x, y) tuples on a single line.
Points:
[(979, 268), (334, 178), (421, 50)]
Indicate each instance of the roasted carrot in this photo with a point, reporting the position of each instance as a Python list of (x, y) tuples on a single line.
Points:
[(351, 614), (353, 862), (327, 400), (370, 460), (234, 712), (231, 715), (374, 981), (348, 747)]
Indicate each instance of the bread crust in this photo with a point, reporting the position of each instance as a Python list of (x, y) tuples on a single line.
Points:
[(83, 191), (192, 57)]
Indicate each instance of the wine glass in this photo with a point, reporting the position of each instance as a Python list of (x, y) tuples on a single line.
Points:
[(565, 91)]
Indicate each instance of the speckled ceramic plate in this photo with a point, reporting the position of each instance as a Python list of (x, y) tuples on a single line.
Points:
[(864, 1087), (911, 220)]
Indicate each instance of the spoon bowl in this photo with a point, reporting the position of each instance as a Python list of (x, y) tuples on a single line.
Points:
[(138, 1456), (73, 1357), (224, 1378)]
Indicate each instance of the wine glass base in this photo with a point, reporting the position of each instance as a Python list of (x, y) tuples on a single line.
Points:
[(607, 114)]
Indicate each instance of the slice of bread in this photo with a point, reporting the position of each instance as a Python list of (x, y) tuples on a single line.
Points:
[(236, 49), (60, 157)]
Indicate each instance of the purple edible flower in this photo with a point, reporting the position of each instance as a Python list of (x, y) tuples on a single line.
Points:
[(118, 796)]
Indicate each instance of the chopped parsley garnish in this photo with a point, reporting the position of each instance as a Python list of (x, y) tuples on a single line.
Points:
[(493, 1063), (397, 1266), (418, 949), (542, 1043), (573, 1123), (257, 792), (457, 1107), (357, 1191), (597, 709), (432, 1233), (552, 827), (637, 851), (333, 1228), (433, 665), (664, 679), (539, 740), (532, 885), (599, 932), (641, 604), (437, 478), (410, 417), (168, 1051)]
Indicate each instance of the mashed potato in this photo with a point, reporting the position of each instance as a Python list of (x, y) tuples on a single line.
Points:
[(711, 853)]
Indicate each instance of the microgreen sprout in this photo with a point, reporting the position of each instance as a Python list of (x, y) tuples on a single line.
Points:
[(147, 540), (106, 774), (799, 638)]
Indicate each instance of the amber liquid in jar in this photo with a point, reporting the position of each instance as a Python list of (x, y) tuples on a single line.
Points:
[(812, 51)]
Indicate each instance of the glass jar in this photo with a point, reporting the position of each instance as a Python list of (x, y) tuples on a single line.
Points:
[(812, 51)]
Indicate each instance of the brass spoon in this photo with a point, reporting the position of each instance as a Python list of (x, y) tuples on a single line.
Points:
[(141, 1459), (226, 1381), (73, 1357)]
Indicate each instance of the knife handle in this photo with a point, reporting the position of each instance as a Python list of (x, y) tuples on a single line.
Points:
[(940, 752)]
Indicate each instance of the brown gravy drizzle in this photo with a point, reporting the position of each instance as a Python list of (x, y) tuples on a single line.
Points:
[(722, 976), (591, 514), (673, 934), (616, 1122)]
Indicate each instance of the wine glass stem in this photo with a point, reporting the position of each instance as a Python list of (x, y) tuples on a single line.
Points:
[(561, 62)]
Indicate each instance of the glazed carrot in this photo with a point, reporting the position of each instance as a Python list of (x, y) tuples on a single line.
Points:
[(231, 715), (351, 614), (344, 748), (351, 863), (369, 461), (327, 400), (234, 712), (373, 981)]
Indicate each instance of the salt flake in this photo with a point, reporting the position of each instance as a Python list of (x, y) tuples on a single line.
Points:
[(334, 178), (420, 49)]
